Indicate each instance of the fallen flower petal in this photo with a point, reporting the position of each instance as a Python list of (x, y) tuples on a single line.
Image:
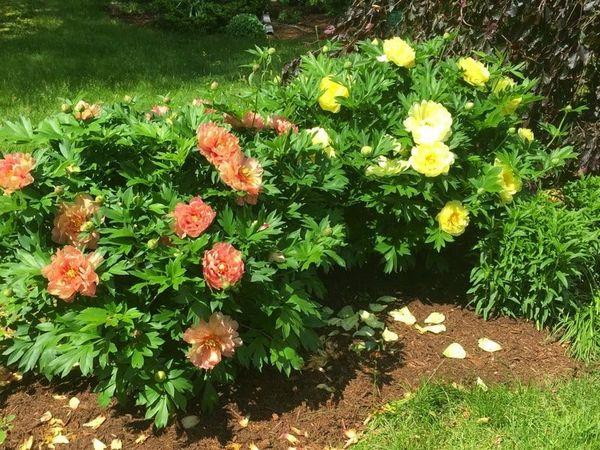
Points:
[(95, 423), (290, 438), (46, 416), (487, 345), (74, 403), (98, 445), (455, 351), (116, 444), (60, 439), (403, 315), (479, 382), (389, 336), (190, 422), (435, 329), (435, 318), (244, 422), (141, 439), (27, 444)]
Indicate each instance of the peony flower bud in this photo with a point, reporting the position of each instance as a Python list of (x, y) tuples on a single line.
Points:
[(59, 190), (214, 86), (327, 231), (255, 67), (271, 51), (469, 105), (73, 169), (87, 226), (160, 376), (512, 130), (99, 199), (347, 64), (325, 49), (127, 99), (366, 150), (277, 257), (568, 108), (152, 244), (7, 292), (446, 36), (65, 107)]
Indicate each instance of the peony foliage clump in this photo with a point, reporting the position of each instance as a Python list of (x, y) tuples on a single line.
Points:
[(163, 250)]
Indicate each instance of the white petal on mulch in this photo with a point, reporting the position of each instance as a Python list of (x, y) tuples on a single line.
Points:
[(487, 345), (74, 403), (98, 444), (435, 318), (190, 422), (455, 351), (389, 336), (435, 329), (252, 446), (479, 382), (59, 397), (244, 422), (403, 315), (95, 424), (141, 439), (116, 444), (27, 444), (290, 438), (46, 416), (60, 439)]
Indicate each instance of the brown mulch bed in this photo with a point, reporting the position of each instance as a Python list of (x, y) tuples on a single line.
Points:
[(275, 404)]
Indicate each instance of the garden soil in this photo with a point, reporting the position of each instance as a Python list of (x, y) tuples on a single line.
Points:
[(336, 393)]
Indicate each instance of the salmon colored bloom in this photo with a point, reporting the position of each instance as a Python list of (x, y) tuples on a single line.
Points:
[(160, 110), (71, 272), (15, 171), (193, 218), (85, 111), (218, 144), (253, 120), (281, 125), (212, 340), (244, 174), (73, 219), (222, 266)]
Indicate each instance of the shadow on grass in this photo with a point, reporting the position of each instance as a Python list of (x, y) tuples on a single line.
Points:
[(57, 48)]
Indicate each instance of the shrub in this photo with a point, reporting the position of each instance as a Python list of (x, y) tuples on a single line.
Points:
[(114, 184), (245, 25), (540, 262), (123, 248)]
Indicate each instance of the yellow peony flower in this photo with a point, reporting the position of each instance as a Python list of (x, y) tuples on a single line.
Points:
[(453, 218), (474, 72), (387, 167), (320, 138), (526, 134), (432, 159), (428, 122), (503, 84), (330, 91), (510, 182), (511, 106), (399, 52)]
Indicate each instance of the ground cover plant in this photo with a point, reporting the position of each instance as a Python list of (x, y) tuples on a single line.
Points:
[(134, 237)]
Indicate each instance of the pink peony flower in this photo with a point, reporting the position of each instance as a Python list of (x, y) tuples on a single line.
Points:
[(160, 110), (205, 103), (85, 111), (253, 120), (71, 272), (73, 219), (15, 171), (212, 340), (193, 218), (282, 125), (244, 175), (217, 144), (222, 266)]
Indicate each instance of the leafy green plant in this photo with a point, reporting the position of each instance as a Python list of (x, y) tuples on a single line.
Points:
[(540, 262), (245, 25), (5, 426), (581, 330)]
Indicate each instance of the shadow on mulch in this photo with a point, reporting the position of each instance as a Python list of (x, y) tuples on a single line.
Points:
[(337, 390)]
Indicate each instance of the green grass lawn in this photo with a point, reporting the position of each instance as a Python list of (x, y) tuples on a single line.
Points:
[(53, 49), (561, 416)]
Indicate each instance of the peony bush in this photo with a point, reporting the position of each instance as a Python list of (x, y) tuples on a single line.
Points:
[(162, 249)]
